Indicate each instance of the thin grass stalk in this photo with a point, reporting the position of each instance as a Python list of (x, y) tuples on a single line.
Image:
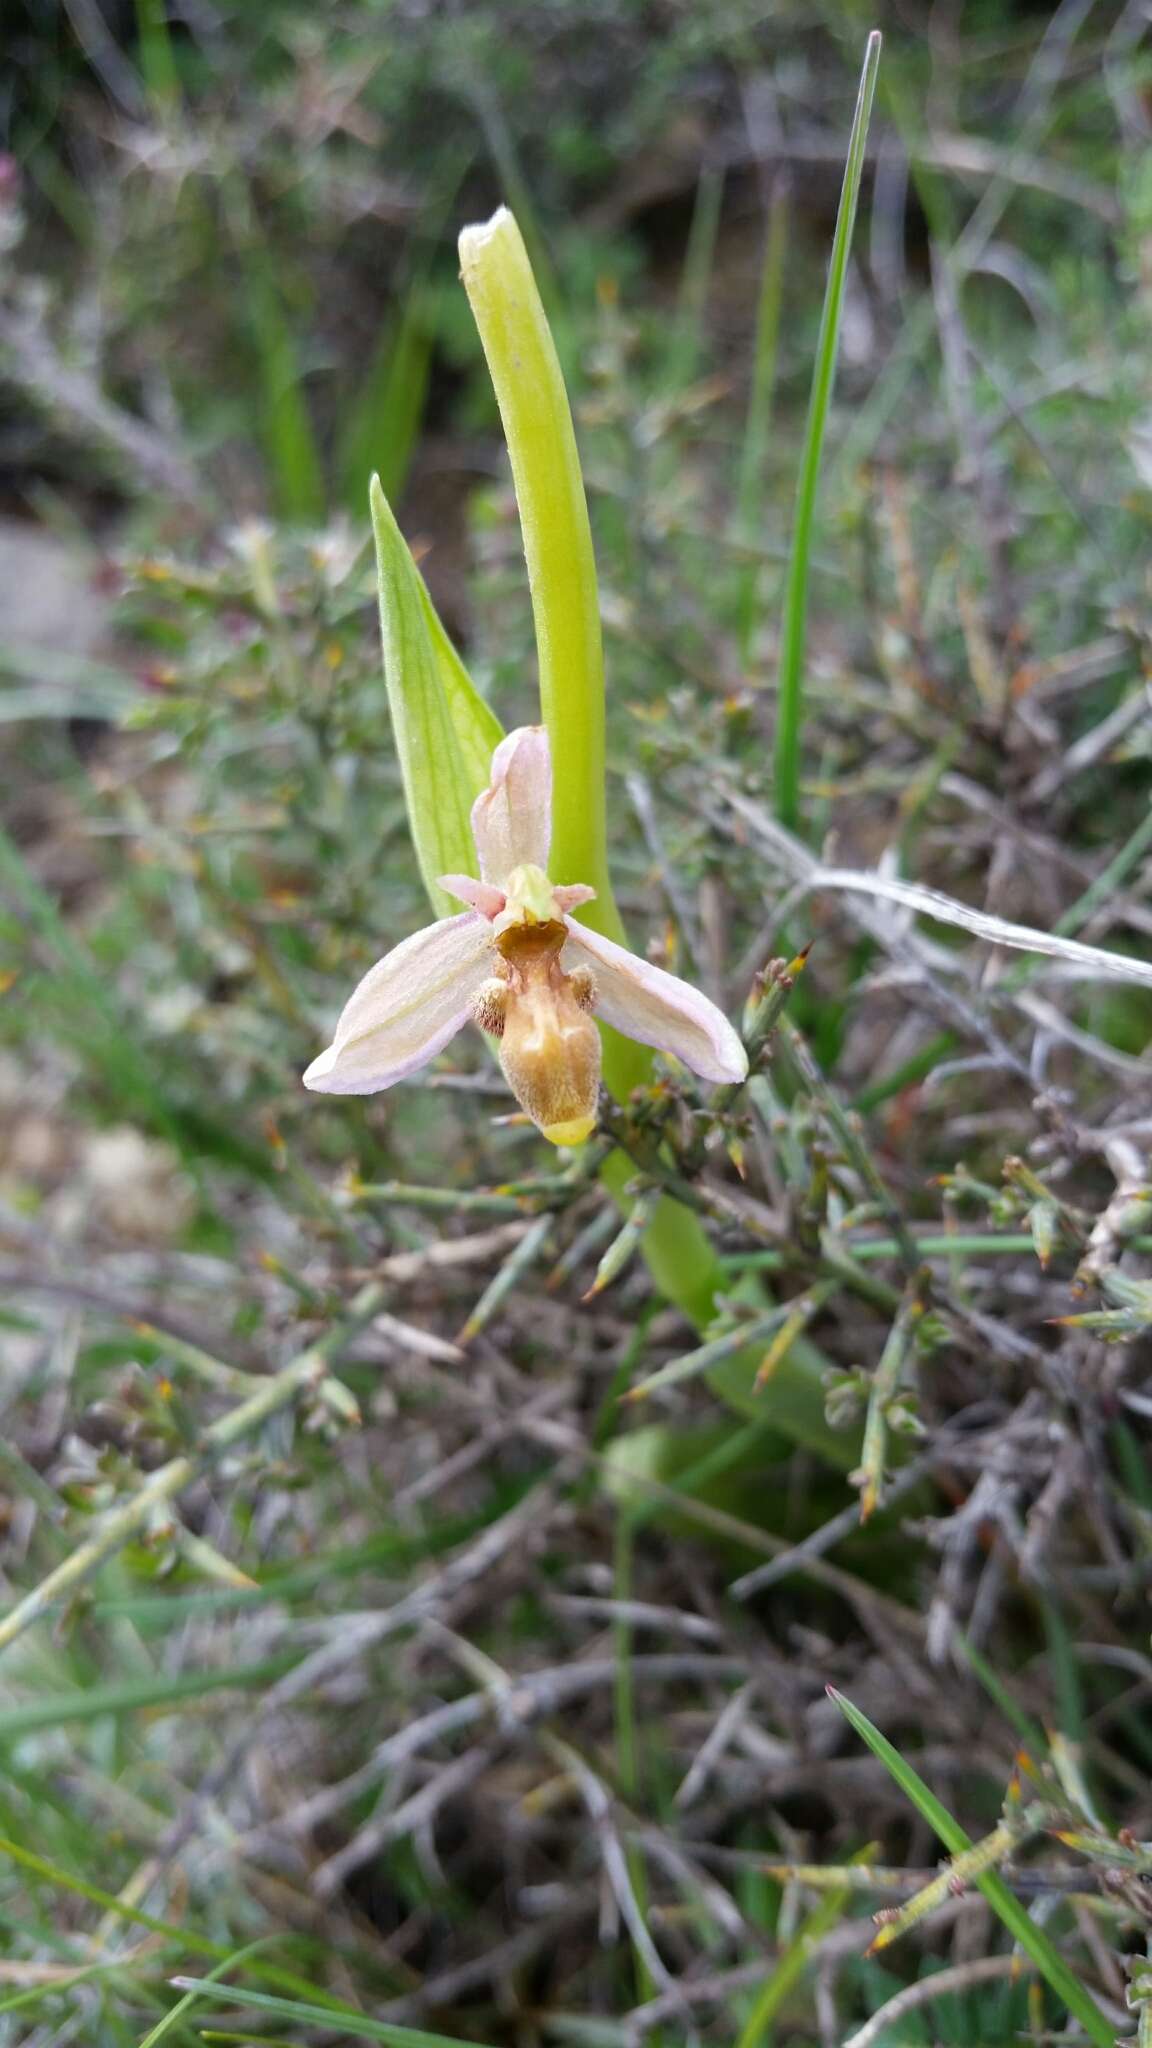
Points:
[(695, 279), (790, 704), (782, 1980), (751, 485), (285, 425), (378, 435), (156, 56), (628, 1751)]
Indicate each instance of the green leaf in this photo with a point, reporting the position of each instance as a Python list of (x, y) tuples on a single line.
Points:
[(1021, 1927), (477, 728), (445, 733)]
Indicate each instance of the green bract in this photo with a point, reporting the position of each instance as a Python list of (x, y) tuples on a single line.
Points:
[(445, 733), (537, 420)]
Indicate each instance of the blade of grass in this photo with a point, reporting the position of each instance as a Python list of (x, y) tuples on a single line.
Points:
[(1032, 1737), (779, 1985), (1031, 1937), (156, 56), (289, 442), (907, 1075), (751, 486), (90, 1703), (790, 700), (627, 1746), (355, 2024), (39, 1866), (185, 1937), (190, 1998), (285, 426), (379, 432), (695, 278)]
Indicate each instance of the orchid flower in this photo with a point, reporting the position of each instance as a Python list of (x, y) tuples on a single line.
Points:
[(518, 964)]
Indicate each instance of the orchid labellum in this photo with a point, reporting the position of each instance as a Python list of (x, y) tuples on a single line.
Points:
[(517, 963)]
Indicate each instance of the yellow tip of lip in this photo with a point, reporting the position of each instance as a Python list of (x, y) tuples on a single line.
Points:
[(571, 1133)]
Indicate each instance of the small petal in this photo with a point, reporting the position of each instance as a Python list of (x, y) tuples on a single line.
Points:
[(481, 895), (512, 818), (406, 1008), (659, 1009), (570, 894)]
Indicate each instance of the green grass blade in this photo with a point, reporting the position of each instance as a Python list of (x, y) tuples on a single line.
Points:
[(173, 2017), (793, 1960), (695, 278), (156, 56), (289, 441), (379, 433), (790, 702), (39, 1866), (296, 476), (750, 489), (185, 1937), (779, 1985), (1032, 1737), (1031, 1937), (56, 1710), (355, 2025)]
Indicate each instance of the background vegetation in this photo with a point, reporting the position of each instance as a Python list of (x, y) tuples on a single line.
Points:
[(395, 1664)]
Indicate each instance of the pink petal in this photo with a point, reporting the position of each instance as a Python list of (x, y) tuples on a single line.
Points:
[(569, 894), (658, 1008), (481, 895), (512, 818), (406, 1008)]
